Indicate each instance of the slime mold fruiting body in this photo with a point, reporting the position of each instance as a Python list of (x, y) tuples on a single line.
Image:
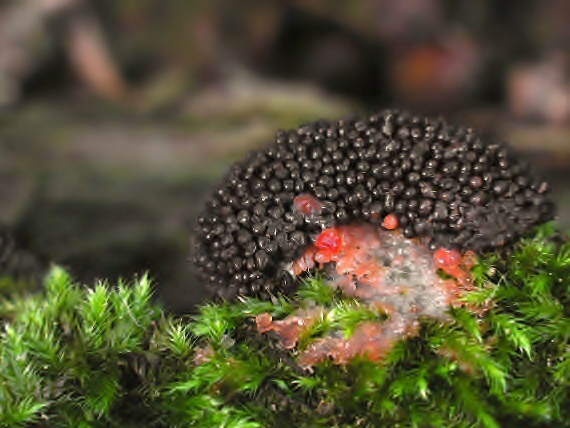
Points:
[(444, 183)]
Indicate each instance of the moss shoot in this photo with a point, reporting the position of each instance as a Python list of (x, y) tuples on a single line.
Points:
[(107, 356)]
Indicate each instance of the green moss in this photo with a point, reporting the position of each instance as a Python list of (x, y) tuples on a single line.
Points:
[(107, 356)]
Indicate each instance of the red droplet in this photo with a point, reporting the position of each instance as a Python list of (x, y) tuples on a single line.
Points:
[(445, 258), (390, 222), (329, 240), (307, 204)]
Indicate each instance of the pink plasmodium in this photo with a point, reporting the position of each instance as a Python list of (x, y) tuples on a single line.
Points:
[(289, 329), (371, 340), (386, 272)]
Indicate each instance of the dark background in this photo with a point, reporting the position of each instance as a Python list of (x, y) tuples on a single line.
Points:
[(116, 117)]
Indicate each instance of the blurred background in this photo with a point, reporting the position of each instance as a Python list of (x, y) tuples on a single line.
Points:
[(117, 117)]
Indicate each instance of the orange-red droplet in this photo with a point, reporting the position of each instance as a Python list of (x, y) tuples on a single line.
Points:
[(307, 204), (445, 258), (453, 263), (390, 222), (329, 240)]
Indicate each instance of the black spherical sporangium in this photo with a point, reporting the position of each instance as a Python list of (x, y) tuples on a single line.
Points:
[(443, 182)]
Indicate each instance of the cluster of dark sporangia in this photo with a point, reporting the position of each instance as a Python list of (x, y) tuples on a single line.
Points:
[(443, 182)]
